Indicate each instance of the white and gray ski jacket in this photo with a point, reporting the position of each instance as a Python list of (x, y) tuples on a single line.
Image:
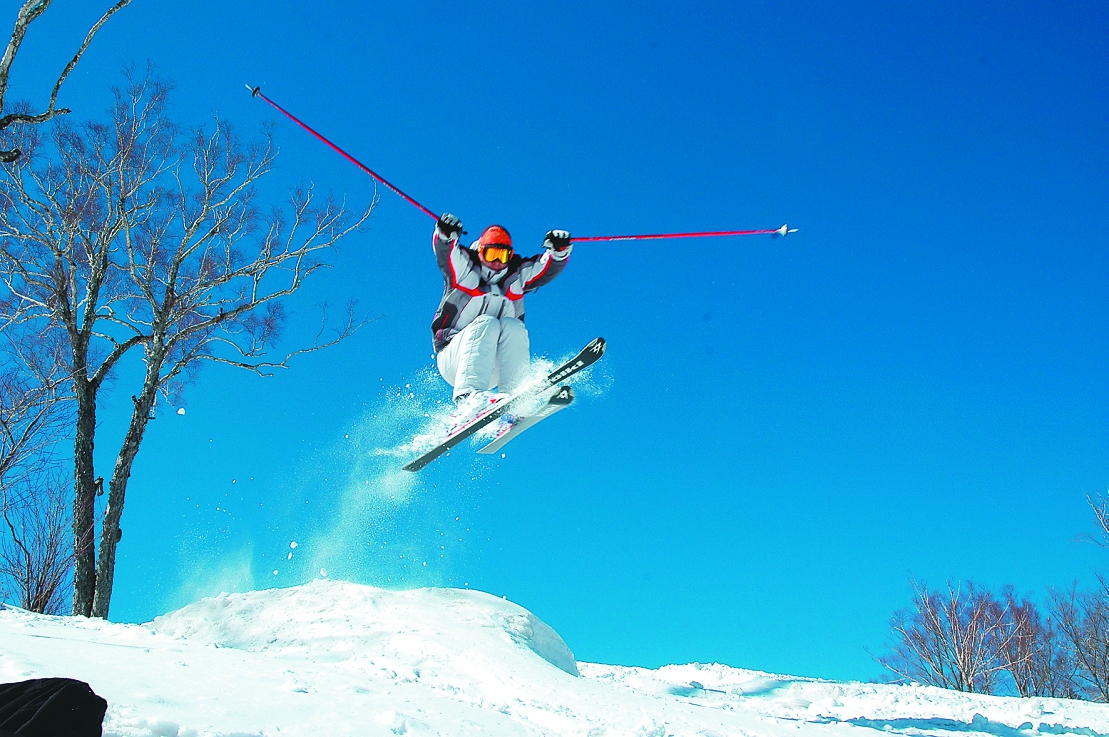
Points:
[(471, 290)]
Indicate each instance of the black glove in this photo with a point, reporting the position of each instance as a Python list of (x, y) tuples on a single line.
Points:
[(449, 225), (557, 240)]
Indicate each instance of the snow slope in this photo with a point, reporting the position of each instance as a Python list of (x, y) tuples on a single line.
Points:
[(336, 659)]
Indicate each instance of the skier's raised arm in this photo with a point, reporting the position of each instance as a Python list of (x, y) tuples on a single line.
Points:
[(542, 268), (448, 228)]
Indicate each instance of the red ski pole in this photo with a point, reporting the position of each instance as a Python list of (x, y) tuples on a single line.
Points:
[(782, 231), (257, 92)]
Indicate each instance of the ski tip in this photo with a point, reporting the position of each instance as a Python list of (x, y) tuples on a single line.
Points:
[(418, 464), (785, 230)]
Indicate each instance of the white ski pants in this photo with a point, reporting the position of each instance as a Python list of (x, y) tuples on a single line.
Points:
[(487, 353)]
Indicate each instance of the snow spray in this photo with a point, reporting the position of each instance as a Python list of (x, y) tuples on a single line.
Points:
[(370, 522)]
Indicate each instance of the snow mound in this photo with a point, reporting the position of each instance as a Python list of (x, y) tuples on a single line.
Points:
[(344, 660), (424, 630)]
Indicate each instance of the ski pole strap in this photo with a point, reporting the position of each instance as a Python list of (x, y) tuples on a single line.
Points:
[(782, 231), (257, 92)]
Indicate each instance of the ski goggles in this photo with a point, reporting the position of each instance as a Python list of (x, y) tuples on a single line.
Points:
[(496, 253)]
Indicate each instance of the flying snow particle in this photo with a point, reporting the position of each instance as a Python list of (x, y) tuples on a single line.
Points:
[(275, 571), (323, 572), (293, 544), (180, 410)]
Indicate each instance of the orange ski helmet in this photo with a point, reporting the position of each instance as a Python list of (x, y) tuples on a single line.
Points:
[(495, 235)]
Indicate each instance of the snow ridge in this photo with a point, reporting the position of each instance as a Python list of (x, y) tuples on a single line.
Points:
[(340, 659)]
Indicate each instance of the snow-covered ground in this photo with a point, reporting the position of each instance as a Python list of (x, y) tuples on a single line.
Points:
[(336, 659)]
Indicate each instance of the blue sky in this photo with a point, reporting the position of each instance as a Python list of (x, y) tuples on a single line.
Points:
[(782, 431)]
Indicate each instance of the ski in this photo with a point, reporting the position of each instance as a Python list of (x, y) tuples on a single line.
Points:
[(560, 400), (587, 357)]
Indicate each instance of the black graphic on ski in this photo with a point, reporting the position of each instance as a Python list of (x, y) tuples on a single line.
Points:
[(558, 401)]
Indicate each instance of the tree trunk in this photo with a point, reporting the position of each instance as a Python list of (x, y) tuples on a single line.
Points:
[(110, 531), (84, 500)]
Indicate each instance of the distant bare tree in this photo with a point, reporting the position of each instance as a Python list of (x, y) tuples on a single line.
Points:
[(971, 641), (950, 639), (1035, 654), (30, 11), (133, 234), (36, 554), (31, 416), (1083, 618)]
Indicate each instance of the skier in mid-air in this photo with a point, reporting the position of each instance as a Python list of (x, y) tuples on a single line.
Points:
[(480, 340), (478, 331)]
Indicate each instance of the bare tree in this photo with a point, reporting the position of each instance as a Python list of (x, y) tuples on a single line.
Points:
[(31, 383), (1083, 618), (36, 554), (950, 639), (30, 11), (136, 235), (1035, 654), (33, 557)]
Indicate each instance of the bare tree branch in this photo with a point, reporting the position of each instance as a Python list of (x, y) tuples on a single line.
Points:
[(32, 10), (1100, 506), (27, 14)]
